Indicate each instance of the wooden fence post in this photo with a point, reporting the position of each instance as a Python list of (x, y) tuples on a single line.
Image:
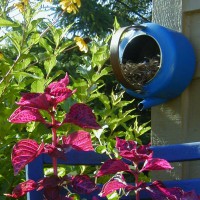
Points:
[(178, 120)]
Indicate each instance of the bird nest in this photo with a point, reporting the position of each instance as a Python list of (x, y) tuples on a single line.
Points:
[(138, 74)]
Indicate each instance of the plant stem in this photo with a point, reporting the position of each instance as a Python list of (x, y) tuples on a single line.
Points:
[(137, 194), (54, 159), (54, 143)]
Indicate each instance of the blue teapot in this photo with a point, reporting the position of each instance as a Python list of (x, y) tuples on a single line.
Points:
[(152, 62)]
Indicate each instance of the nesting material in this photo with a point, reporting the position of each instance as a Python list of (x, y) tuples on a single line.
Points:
[(138, 74)]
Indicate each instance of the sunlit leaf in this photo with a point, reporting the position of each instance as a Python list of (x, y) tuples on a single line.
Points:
[(5, 22), (24, 152), (22, 188), (112, 186), (156, 164), (26, 114), (50, 63), (79, 140)]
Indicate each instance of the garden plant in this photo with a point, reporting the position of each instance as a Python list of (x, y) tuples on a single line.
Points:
[(27, 150), (35, 54), (43, 108)]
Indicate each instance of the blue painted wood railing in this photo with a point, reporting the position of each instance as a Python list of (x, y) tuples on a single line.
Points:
[(172, 153)]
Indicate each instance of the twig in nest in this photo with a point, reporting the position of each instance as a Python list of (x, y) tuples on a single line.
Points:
[(138, 74)]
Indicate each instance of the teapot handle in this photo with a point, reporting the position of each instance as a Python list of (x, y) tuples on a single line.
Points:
[(114, 52)]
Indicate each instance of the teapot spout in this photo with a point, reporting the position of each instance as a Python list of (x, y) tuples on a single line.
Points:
[(149, 102)]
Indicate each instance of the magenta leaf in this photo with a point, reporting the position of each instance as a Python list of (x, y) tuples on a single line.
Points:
[(81, 115), (83, 184), (35, 100), (58, 84), (79, 140), (156, 164), (22, 188), (124, 145), (58, 91), (113, 166), (130, 150), (111, 186), (49, 182), (24, 152), (191, 195), (57, 152), (26, 114), (52, 187), (159, 191), (59, 95)]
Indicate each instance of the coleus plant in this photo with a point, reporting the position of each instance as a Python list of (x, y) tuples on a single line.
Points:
[(25, 151), (135, 160)]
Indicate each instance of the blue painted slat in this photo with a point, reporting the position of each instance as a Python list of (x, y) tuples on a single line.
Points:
[(178, 152), (186, 185), (75, 157), (34, 171), (172, 153)]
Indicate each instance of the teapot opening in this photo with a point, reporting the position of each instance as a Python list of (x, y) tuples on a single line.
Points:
[(140, 61)]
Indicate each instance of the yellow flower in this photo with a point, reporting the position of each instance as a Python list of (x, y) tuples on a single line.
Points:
[(20, 6), (25, 2), (72, 8), (1, 56), (70, 5), (81, 44), (48, 1), (78, 2)]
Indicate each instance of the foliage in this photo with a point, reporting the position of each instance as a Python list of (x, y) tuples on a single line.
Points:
[(34, 52), (135, 160), (26, 150), (96, 16)]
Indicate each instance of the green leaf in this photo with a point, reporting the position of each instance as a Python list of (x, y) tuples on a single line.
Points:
[(38, 85), (101, 149), (34, 39), (103, 72), (56, 36), (16, 39), (5, 22), (113, 196), (25, 60), (44, 43), (50, 63), (105, 100), (116, 25), (32, 27), (64, 46), (99, 55), (36, 71), (24, 74)]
